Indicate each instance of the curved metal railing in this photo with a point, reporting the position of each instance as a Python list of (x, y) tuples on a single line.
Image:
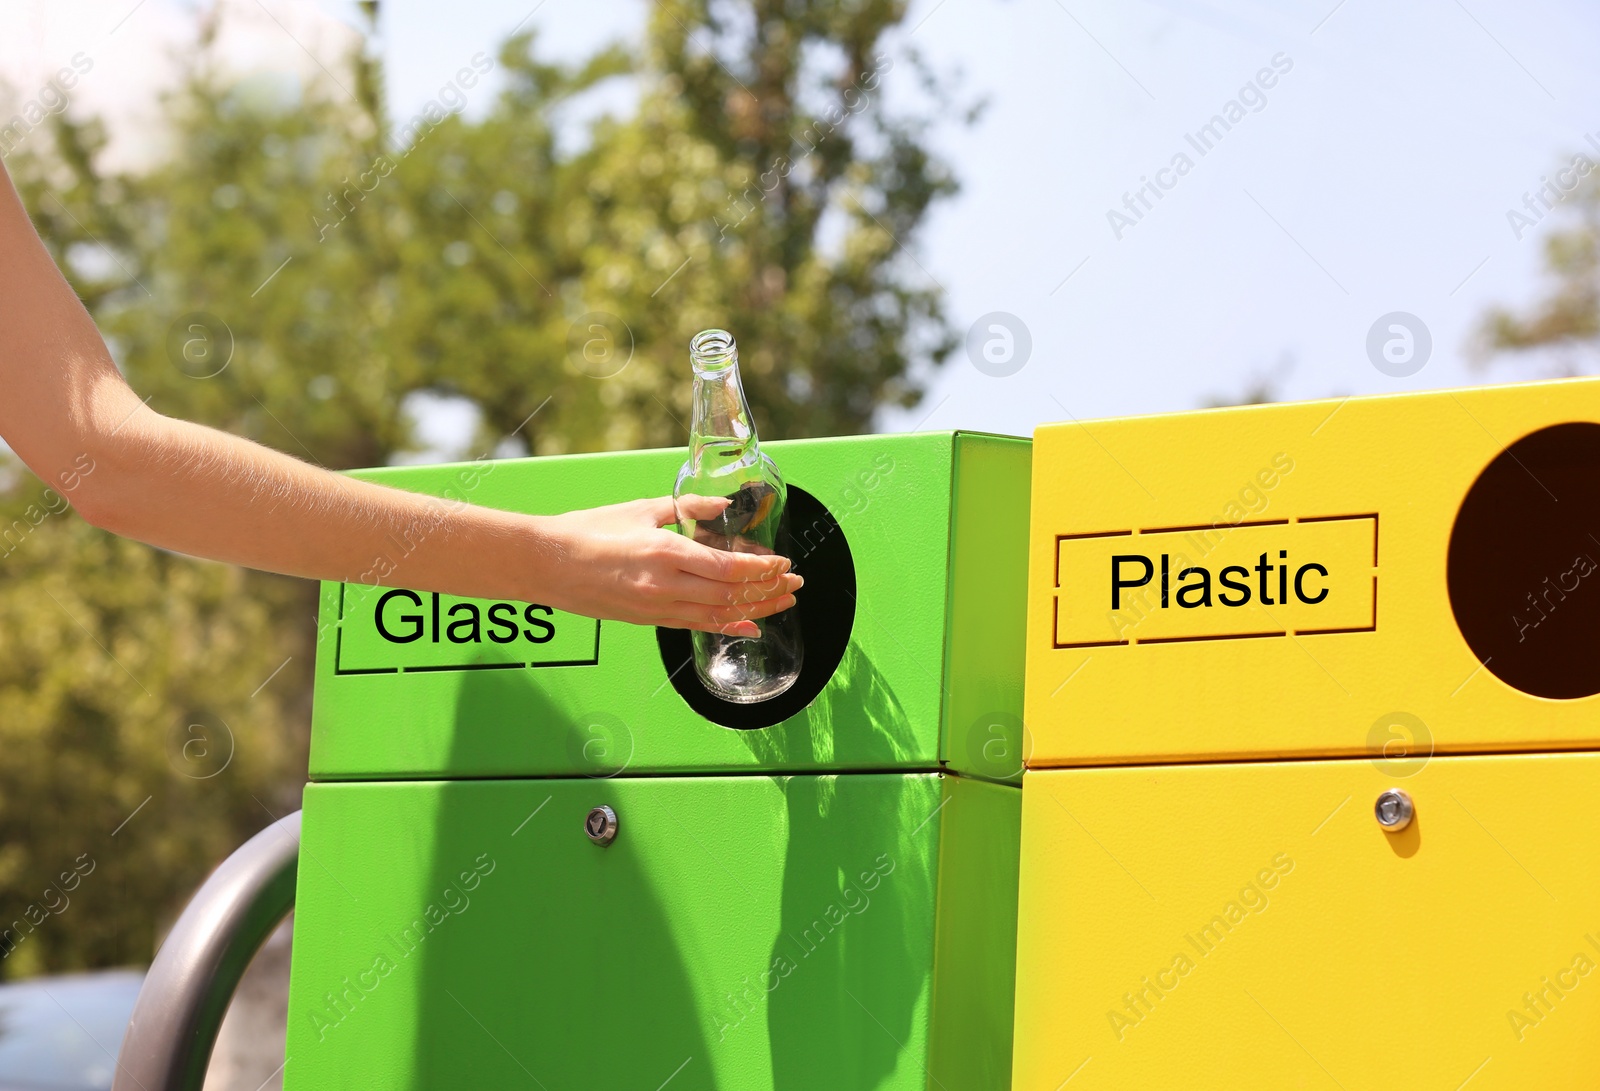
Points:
[(186, 993)]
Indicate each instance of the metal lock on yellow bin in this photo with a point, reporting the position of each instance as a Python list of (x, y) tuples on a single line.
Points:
[(1311, 696)]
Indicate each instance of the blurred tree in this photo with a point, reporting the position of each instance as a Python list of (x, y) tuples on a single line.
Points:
[(296, 265), (1567, 323), (137, 751), (1262, 387)]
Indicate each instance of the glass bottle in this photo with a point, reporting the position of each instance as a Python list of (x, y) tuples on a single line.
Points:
[(725, 460)]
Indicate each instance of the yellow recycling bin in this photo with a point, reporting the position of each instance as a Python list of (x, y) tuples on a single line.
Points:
[(1315, 747)]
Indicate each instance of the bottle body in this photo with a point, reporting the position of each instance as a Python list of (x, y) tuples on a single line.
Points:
[(726, 462)]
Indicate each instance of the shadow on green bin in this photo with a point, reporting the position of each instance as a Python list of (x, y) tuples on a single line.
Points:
[(566, 974)]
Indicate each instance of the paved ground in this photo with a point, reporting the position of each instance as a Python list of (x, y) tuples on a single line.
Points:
[(249, 1053)]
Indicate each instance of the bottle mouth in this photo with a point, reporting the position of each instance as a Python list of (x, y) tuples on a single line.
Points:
[(712, 351)]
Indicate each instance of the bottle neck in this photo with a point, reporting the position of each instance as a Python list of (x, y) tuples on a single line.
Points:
[(722, 417), (721, 421)]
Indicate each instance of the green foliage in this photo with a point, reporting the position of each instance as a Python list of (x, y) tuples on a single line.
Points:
[(126, 690), (1568, 320), (332, 261)]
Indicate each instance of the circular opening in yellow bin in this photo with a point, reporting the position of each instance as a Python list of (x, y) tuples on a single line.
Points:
[(1524, 563)]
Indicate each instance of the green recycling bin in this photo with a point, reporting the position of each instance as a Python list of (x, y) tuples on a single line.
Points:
[(537, 853)]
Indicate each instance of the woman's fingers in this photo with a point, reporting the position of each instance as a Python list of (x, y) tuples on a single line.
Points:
[(624, 565), (658, 510), (720, 564), (737, 628), (700, 614), (694, 506), (687, 588)]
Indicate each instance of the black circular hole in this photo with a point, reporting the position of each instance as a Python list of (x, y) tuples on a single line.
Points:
[(827, 606), (1522, 566)]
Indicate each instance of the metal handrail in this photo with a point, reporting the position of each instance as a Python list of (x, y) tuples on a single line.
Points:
[(185, 995)]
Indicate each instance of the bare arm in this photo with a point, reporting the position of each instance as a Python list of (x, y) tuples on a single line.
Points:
[(185, 487)]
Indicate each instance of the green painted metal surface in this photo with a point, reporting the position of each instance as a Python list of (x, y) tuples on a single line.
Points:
[(820, 903), (937, 525), (983, 728), (743, 932), (975, 952)]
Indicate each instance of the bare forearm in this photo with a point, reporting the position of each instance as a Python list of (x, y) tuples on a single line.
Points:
[(195, 490), (66, 411)]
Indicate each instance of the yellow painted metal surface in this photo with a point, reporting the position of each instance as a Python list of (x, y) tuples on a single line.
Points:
[(1305, 611), (1249, 925)]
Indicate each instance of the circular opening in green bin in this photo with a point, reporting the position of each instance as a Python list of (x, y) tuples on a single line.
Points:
[(827, 606)]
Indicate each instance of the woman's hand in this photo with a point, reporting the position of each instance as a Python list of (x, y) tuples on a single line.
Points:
[(617, 562)]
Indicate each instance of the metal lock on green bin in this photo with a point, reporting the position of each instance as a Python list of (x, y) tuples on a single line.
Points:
[(534, 853)]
